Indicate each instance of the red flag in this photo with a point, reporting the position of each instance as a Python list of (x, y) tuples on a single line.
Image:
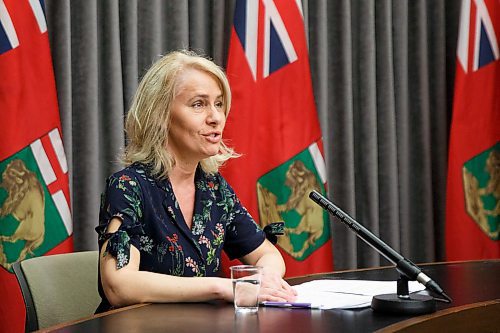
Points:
[(473, 193), (35, 217), (274, 124)]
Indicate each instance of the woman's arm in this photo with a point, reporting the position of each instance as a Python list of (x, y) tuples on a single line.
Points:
[(273, 287), (128, 285)]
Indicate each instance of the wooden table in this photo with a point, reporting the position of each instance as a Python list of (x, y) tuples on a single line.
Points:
[(473, 285)]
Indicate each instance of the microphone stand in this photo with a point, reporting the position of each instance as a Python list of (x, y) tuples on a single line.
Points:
[(401, 302)]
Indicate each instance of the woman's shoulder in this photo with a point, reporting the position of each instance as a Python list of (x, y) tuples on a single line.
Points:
[(135, 171), (135, 174)]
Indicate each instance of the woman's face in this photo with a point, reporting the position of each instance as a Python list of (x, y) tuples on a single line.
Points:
[(197, 117)]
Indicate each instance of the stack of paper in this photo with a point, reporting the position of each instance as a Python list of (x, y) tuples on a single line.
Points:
[(342, 294)]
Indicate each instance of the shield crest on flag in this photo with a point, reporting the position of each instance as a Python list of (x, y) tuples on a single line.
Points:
[(31, 202), (283, 195), (481, 176)]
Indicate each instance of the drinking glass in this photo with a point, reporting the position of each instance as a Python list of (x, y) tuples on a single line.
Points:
[(246, 286)]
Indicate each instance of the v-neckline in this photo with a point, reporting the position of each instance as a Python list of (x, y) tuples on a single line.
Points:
[(178, 215)]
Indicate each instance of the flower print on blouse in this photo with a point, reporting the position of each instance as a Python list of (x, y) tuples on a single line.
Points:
[(153, 223)]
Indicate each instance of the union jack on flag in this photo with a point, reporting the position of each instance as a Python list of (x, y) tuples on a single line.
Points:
[(278, 49), (480, 47), (8, 35)]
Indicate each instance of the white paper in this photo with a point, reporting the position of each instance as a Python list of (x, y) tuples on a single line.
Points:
[(346, 294)]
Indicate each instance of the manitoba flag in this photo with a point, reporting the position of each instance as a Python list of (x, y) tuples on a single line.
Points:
[(473, 193), (274, 125), (35, 217)]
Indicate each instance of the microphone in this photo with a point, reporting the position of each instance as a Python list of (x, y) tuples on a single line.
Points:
[(403, 265)]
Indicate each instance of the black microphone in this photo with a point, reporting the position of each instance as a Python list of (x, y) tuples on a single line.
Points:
[(403, 265)]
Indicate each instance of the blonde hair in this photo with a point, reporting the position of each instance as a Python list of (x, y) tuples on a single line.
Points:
[(148, 118)]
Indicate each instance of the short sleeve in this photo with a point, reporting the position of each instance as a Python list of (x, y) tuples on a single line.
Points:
[(122, 198), (243, 234)]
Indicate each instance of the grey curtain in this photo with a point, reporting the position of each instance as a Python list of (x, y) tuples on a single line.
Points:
[(383, 80)]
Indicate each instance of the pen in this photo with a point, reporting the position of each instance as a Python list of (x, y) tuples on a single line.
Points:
[(287, 304)]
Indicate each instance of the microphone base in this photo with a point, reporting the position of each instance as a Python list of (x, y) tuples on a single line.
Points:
[(412, 305)]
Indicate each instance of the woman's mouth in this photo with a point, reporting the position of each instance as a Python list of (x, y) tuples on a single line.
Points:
[(213, 137)]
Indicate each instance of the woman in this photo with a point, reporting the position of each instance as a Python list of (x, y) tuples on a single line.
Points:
[(167, 216)]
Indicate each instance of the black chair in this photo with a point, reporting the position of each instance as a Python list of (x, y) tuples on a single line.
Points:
[(58, 288)]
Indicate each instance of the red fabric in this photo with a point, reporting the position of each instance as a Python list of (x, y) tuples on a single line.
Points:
[(28, 110), (272, 119), (475, 128)]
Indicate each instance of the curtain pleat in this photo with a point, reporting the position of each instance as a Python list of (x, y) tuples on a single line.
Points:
[(111, 104), (419, 164), (388, 198), (129, 51), (436, 25), (86, 149), (382, 75)]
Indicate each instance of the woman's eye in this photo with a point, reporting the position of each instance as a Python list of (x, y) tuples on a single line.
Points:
[(219, 104), (198, 104)]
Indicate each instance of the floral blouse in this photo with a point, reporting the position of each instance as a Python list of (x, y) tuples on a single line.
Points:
[(152, 222)]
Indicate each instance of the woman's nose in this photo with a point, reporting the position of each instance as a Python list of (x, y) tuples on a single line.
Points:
[(215, 114)]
